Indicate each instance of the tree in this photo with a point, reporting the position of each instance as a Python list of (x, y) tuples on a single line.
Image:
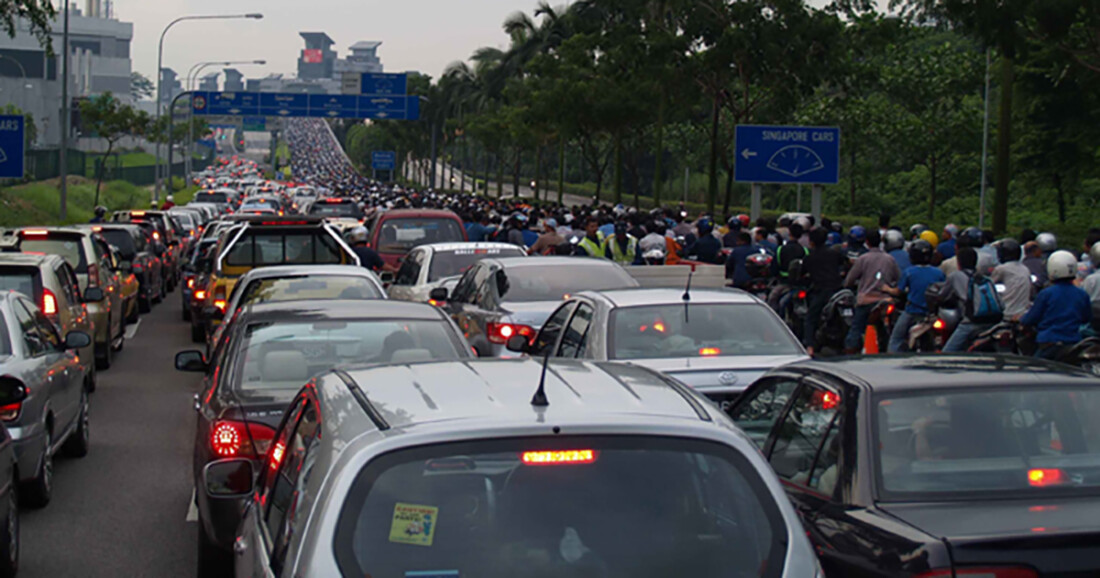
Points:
[(141, 87), (108, 118), (39, 13)]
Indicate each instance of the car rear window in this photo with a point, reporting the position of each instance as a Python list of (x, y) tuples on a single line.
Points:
[(309, 288), (967, 443), (211, 198), (69, 248), (326, 209), (456, 262), (559, 282), (566, 506), (286, 355), (402, 234), (19, 280), (121, 239), (304, 247), (698, 330)]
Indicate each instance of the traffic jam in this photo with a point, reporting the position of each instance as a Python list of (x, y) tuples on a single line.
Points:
[(399, 382)]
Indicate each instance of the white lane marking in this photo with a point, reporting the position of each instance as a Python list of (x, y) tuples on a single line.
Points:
[(131, 331), (192, 510)]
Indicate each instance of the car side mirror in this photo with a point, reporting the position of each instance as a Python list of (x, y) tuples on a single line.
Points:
[(232, 478), (438, 294), (191, 360), (12, 391), (518, 344), (387, 277), (212, 313), (77, 340), (93, 295)]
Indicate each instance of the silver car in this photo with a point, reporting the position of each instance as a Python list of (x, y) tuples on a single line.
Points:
[(54, 413), (506, 468), (442, 265), (718, 341)]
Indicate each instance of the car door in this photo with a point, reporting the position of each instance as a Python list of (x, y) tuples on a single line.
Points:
[(71, 300), (38, 374), (63, 378), (465, 309), (111, 283), (761, 406), (574, 339), (406, 277)]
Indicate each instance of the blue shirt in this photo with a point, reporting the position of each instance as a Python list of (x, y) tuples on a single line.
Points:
[(1059, 312), (478, 232), (915, 280), (529, 237), (947, 248), (735, 266), (902, 258), (708, 250)]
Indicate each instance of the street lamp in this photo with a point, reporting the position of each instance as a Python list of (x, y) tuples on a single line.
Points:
[(24, 82), (160, 67), (193, 75)]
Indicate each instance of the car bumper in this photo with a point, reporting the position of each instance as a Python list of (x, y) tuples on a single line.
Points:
[(28, 442)]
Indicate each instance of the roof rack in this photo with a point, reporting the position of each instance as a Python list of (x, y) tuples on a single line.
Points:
[(361, 397)]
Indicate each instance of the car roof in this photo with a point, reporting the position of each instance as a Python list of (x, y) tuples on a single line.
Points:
[(664, 296), (483, 390), (903, 373), (26, 259), (551, 261), (297, 270), (409, 213), (277, 221), (437, 247), (66, 229), (358, 309)]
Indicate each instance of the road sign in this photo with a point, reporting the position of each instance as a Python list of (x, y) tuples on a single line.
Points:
[(787, 154), (383, 160), (281, 104), (231, 103), (384, 84), (11, 146), (254, 123), (284, 104), (334, 105)]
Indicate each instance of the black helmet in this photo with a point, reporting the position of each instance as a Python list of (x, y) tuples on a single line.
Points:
[(100, 211), (916, 230), (971, 237), (920, 252), (705, 227), (758, 265), (1008, 250)]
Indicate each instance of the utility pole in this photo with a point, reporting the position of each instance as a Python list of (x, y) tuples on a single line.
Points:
[(63, 154), (985, 144)]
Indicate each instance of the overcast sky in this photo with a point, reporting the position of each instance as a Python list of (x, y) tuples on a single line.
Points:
[(422, 35)]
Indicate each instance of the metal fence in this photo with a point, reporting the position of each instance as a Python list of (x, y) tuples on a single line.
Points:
[(45, 164)]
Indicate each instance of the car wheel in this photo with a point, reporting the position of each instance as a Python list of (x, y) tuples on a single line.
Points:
[(77, 444), (212, 560), (198, 333), (186, 313), (37, 492), (104, 354), (9, 537), (145, 305)]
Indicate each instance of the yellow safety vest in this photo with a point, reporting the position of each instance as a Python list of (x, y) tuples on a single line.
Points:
[(617, 254), (591, 247)]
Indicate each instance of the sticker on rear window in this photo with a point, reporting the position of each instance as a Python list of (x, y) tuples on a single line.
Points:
[(413, 524)]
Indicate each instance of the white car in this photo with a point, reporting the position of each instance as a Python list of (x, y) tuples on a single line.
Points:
[(441, 265)]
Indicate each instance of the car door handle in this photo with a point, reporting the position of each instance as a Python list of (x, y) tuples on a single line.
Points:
[(240, 546)]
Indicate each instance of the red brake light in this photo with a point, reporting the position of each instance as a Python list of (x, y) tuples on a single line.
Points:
[(10, 412), (49, 302), (659, 327), (225, 440), (557, 457), (801, 294), (236, 438), (830, 400), (277, 455), (938, 325), (501, 332), (35, 233), (710, 351), (890, 309), (220, 304), (1042, 477), (156, 235), (199, 295)]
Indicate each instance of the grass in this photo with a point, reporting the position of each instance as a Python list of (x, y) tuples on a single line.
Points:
[(39, 203), (123, 160)]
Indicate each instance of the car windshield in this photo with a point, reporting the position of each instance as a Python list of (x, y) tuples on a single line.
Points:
[(258, 248), (453, 263), (571, 506), (400, 235), (350, 210), (559, 282), (71, 249), (966, 443), (286, 355), (309, 288), (17, 280), (211, 198), (698, 330)]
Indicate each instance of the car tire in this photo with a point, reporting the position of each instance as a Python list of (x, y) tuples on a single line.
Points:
[(212, 560), (198, 333), (145, 305), (79, 441), (37, 492), (9, 535), (104, 354), (186, 313)]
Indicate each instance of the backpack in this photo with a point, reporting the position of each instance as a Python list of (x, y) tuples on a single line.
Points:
[(983, 303)]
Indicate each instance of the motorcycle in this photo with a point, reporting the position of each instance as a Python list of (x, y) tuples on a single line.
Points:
[(759, 268), (836, 319), (931, 332)]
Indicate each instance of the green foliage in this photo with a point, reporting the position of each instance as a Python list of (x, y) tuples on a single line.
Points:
[(141, 87), (38, 13)]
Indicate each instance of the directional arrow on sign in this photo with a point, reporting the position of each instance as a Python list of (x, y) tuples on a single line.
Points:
[(3, 156), (234, 111), (747, 154), (284, 112)]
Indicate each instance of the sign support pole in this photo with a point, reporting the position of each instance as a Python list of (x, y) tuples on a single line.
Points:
[(757, 194), (815, 202)]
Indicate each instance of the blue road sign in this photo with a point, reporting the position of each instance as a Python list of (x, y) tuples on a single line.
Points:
[(334, 105), (383, 160), (254, 123), (281, 104), (787, 154), (233, 103), (387, 84), (11, 146)]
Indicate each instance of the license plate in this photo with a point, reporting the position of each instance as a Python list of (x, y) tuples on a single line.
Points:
[(847, 312)]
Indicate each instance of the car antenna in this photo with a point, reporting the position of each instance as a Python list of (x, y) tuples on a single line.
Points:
[(539, 400), (687, 296)]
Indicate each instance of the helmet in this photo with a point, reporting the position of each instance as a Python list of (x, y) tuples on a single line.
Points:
[(758, 265), (170, 199), (836, 226), (893, 241), (857, 234), (1047, 242), (951, 229), (931, 238), (803, 222), (654, 256), (100, 211), (1008, 250), (1094, 254), (971, 237), (920, 252), (745, 220), (1061, 265), (705, 227), (734, 223), (357, 235), (916, 230)]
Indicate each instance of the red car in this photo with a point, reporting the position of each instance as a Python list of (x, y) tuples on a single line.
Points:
[(394, 233)]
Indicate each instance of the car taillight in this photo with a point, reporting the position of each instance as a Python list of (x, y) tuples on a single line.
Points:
[(501, 332), (199, 295), (11, 411), (982, 572), (1043, 477), (801, 294), (49, 302), (938, 325), (558, 457), (890, 309), (220, 304), (230, 438), (190, 282)]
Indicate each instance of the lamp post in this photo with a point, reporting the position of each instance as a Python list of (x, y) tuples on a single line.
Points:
[(22, 71), (193, 75), (160, 68), (63, 156)]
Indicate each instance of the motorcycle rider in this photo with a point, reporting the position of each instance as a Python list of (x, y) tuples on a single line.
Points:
[(590, 245), (1059, 310), (869, 272), (856, 245), (735, 264), (1015, 277), (914, 282), (824, 268), (894, 243), (707, 249), (947, 246), (368, 257), (622, 247), (1091, 285), (958, 289), (100, 215), (1035, 263)]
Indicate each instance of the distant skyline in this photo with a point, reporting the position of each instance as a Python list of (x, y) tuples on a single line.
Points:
[(421, 35)]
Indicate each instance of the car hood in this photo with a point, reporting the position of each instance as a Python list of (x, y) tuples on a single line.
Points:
[(726, 374), (975, 521), (531, 313)]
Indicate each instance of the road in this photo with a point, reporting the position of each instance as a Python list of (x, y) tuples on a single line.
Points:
[(444, 171), (121, 510)]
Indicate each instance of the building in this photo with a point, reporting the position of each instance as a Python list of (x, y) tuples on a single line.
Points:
[(209, 82), (320, 70), (316, 60), (170, 85), (234, 80)]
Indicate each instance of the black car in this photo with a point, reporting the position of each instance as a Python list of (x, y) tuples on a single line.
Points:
[(267, 354), (137, 248), (944, 466)]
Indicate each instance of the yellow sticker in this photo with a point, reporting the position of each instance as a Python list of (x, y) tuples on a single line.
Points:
[(414, 524)]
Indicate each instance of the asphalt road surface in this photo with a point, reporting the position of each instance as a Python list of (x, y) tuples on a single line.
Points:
[(121, 511)]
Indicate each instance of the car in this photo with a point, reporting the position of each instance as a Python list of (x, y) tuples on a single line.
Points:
[(11, 392), (137, 251), (194, 277), (53, 410), (930, 466), (718, 341), (429, 266), (509, 468), (167, 236), (49, 281), (90, 258), (344, 213), (499, 298), (225, 199), (394, 233), (267, 354)]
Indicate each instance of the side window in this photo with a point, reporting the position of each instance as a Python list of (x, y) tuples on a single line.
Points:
[(756, 415), (802, 434), (47, 329), (290, 483), (480, 285), (67, 280), (573, 343), (270, 470), (32, 338), (464, 286), (486, 298), (548, 336), (406, 275)]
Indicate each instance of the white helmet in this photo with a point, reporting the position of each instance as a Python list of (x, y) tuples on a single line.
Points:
[(893, 240), (357, 235), (1061, 265), (1047, 242), (1094, 254)]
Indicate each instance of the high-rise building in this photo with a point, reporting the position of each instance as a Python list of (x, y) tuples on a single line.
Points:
[(234, 80), (316, 59), (209, 82)]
